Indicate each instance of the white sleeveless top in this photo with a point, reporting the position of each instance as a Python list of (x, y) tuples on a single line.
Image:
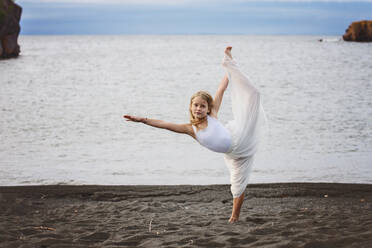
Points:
[(214, 137)]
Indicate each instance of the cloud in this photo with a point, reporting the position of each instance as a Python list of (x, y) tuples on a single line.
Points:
[(122, 2), (184, 2)]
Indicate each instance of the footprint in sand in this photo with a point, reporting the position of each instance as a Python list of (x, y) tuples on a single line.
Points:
[(96, 237), (241, 241), (257, 220)]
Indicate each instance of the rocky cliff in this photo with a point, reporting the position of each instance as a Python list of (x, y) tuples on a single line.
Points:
[(359, 31), (10, 15)]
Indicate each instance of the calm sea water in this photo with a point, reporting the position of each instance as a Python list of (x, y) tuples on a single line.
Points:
[(62, 101)]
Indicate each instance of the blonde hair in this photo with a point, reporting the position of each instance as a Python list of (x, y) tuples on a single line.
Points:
[(208, 98)]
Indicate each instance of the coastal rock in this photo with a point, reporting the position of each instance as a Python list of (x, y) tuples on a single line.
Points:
[(359, 31), (10, 15)]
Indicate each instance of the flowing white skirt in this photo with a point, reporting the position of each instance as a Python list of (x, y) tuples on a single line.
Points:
[(246, 127)]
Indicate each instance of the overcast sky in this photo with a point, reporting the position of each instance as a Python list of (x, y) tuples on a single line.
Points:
[(191, 16)]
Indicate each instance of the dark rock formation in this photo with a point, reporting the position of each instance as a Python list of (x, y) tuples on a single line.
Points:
[(359, 31), (10, 15)]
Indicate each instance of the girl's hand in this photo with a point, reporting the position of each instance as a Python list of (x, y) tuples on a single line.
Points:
[(134, 118)]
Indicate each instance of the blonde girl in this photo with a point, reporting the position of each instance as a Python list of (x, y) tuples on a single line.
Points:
[(238, 140)]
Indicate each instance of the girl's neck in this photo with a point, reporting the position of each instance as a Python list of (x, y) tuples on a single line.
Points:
[(201, 121)]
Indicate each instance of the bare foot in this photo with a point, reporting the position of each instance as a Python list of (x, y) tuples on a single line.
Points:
[(228, 51), (233, 219)]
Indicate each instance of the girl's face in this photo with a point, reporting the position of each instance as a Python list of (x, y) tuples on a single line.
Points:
[(199, 107)]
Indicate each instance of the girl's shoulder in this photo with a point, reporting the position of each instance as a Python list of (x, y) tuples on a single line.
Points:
[(190, 129)]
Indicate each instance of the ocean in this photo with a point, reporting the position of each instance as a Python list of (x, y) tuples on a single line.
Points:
[(62, 102)]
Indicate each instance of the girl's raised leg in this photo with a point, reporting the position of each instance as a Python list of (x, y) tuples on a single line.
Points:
[(248, 118)]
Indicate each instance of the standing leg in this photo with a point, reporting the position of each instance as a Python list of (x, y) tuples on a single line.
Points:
[(237, 204)]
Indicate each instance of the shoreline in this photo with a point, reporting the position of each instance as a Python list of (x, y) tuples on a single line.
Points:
[(273, 215)]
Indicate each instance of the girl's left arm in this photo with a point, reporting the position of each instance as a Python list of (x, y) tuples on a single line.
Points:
[(219, 95)]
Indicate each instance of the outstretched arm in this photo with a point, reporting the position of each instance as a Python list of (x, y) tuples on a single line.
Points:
[(219, 95), (178, 128)]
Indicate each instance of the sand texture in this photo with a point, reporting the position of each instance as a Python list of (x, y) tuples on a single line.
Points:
[(273, 215)]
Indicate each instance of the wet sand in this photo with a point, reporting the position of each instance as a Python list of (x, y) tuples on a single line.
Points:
[(273, 215)]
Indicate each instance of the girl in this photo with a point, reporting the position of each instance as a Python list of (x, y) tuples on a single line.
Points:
[(238, 140)]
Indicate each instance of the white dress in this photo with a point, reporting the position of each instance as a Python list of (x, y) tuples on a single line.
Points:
[(244, 131), (245, 128)]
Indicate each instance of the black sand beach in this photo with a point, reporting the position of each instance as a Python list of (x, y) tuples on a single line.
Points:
[(273, 215)]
